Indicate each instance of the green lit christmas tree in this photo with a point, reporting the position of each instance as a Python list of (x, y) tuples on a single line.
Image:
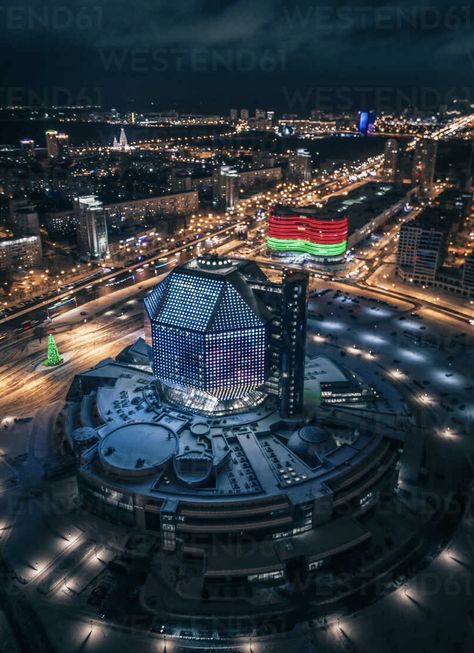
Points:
[(53, 353)]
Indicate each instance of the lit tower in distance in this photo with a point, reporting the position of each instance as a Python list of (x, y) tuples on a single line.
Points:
[(424, 166), (390, 160), (52, 143), (57, 144), (300, 165), (121, 145), (27, 146), (63, 144), (123, 142)]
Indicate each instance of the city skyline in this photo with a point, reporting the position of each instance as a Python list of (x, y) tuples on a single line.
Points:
[(236, 327)]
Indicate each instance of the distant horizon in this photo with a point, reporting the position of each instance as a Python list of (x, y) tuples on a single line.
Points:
[(204, 55)]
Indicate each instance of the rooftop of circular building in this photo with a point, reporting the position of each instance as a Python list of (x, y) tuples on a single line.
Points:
[(137, 449)]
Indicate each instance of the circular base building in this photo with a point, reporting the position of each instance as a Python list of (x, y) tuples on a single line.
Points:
[(213, 443)]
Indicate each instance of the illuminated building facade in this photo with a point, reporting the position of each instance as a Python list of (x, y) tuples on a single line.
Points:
[(57, 143), (390, 161), (27, 146), (300, 165), (288, 304), (121, 144), (308, 230), (226, 184), (24, 252), (209, 335), (92, 227), (214, 451), (367, 122)]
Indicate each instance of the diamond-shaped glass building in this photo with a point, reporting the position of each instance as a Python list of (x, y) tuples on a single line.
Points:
[(210, 336)]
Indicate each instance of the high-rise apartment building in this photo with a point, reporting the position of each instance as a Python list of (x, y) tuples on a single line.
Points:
[(424, 166), (390, 161)]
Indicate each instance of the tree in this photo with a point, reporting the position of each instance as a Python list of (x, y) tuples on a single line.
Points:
[(53, 354)]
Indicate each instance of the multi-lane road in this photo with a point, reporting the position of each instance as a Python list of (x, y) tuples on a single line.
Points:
[(25, 386)]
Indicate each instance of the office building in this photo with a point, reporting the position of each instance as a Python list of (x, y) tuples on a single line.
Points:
[(366, 122), (52, 143), (181, 180), (92, 233), (334, 384), (288, 303), (300, 167), (260, 178), (423, 245), (138, 211), (226, 186)]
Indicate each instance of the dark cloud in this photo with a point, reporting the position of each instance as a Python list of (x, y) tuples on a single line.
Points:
[(211, 53)]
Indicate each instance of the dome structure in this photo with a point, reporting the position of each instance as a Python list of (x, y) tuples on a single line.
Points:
[(311, 442)]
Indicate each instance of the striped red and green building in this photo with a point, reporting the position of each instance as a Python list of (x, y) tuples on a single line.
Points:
[(307, 230)]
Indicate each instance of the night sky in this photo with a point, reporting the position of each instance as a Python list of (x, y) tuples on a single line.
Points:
[(209, 55)]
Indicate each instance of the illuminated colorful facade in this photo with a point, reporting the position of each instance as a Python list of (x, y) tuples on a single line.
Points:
[(209, 334), (307, 231)]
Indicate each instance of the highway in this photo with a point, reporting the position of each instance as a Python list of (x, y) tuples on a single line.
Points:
[(135, 266), (24, 388)]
